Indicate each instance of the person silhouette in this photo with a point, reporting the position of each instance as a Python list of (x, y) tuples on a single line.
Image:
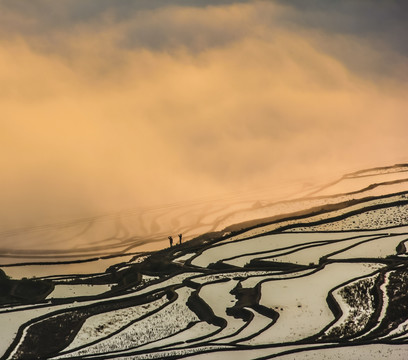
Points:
[(171, 240), (180, 237)]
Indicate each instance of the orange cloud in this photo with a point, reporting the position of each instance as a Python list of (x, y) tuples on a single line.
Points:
[(207, 101)]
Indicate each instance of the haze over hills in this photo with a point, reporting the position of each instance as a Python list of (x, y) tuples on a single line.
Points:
[(298, 278)]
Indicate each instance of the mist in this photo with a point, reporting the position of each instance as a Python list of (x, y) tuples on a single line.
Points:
[(120, 110)]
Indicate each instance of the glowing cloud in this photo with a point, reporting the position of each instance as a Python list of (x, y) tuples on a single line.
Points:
[(107, 106)]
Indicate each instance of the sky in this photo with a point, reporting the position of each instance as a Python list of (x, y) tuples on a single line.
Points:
[(109, 105)]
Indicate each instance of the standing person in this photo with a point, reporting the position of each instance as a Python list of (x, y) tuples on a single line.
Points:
[(180, 236), (171, 240)]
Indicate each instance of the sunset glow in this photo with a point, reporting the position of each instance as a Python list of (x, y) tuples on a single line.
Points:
[(108, 105)]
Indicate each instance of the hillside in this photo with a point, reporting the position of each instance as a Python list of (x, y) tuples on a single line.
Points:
[(322, 274)]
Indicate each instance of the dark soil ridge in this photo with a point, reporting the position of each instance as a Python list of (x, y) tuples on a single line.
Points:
[(314, 211), (62, 326)]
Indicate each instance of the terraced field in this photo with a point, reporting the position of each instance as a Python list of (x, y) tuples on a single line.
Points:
[(320, 276)]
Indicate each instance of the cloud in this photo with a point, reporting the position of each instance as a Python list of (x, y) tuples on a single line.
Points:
[(44, 17), (178, 102), (369, 35)]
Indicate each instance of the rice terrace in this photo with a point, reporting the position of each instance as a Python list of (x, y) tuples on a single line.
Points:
[(203, 179), (320, 276)]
